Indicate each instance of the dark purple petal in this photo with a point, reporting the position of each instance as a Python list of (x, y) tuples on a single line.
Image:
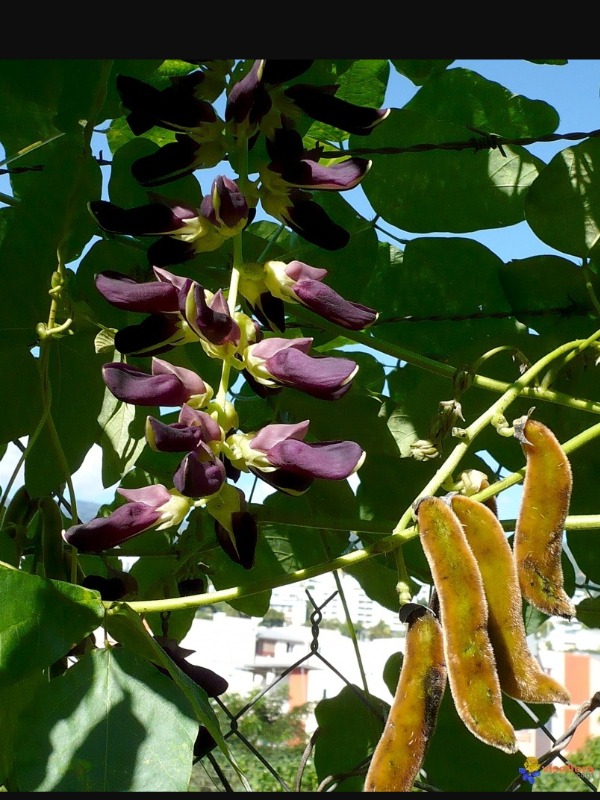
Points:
[(123, 292), (285, 146), (310, 220), (168, 251), (214, 326), (273, 434), (103, 533), (259, 388), (210, 430), (225, 205), (330, 460), (274, 344), (323, 300), (199, 478), (155, 495), (326, 377), (174, 108), (156, 334), (270, 311), (320, 103), (281, 70), (131, 385), (192, 382), (285, 481), (152, 219), (247, 99), (338, 177), (240, 546), (174, 160), (175, 438)]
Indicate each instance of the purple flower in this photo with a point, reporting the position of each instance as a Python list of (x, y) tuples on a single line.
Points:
[(185, 230), (192, 427), (148, 507), (168, 385), (291, 171), (200, 473), (277, 362), (301, 283), (279, 455)]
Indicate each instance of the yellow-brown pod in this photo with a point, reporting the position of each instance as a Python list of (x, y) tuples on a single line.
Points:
[(540, 522), (520, 674), (470, 660), (413, 713)]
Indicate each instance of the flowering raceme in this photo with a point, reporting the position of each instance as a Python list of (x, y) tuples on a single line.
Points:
[(178, 310)]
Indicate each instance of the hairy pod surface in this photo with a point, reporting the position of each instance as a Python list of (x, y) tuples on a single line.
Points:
[(470, 660), (520, 674), (540, 523), (411, 721), (52, 541)]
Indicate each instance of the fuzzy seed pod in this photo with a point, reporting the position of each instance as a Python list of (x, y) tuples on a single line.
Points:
[(470, 660), (413, 714), (520, 674), (540, 523), (52, 541)]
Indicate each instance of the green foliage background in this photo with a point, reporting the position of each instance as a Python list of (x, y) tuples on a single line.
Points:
[(444, 299)]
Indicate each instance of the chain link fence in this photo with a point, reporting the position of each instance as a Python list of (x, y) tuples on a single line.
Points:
[(212, 771)]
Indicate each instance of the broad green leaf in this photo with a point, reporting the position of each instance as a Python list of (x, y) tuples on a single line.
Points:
[(40, 621), (350, 725), (110, 723), (310, 543), (21, 406), (455, 190), (446, 301), (127, 628), (588, 612), (378, 577), (548, 293), (15, 701), (456, 761), (75, 377), (419, 70), (563, 204), (122, 438)]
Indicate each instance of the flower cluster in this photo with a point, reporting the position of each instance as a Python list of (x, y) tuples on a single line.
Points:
[(262, 103), (177, 310)]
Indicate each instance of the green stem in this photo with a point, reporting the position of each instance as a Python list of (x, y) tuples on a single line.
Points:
[(351, 629), (9, 200), (448, 371), (589, 286), (495, 410)]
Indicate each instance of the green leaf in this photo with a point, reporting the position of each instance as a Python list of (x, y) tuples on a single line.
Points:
[(588, 612), (350, 725), (563, 204), (15, 701), (21, 406), (40, 621), (110, 723), (75, 376), (460, 190), (419, 70), (122, 438), (456, 761)]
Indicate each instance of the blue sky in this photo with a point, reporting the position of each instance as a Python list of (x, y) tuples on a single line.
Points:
[(572, 89)]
